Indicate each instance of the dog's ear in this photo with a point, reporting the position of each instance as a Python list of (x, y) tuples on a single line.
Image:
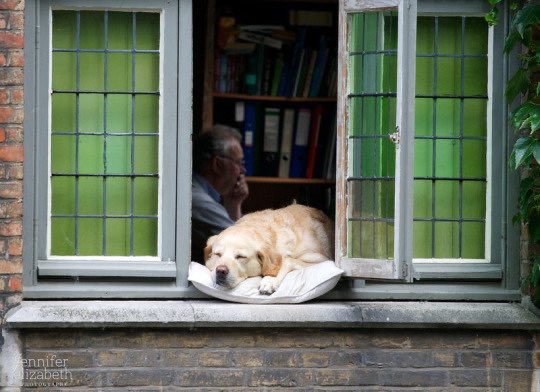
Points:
[(270, 262), (208, 248)]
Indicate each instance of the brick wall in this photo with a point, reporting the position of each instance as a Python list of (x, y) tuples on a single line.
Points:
[(11, 152), (325, 360)]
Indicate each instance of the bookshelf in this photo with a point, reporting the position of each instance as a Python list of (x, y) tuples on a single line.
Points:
[(270, 71)]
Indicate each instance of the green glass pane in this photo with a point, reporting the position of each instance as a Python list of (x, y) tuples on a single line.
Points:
[(475, 117), (118, 196), (371, 199), (449, 35), (474, 200), (356, 38), (62, 195), (147, 72), (448, 76), (447, 200), (119, 154), (447, 158), (356, 74), (64, 71), (388, 81), (448, 117), (422, 240), (63, 154), (423, 158), (64, 113), (473, 240), (425, 70), (424, 116), (62, 236), (474, 158), (475, 76), (148, 31), (476, 36), (64, 28), (446, 240), (146, 154), (119, 113), (147, 113), (371, 157), (145, 237), (91, 195), (146, 196), (119, 69), (120, 30), (425, 33), (92, 71), (118, 237), (422, 200), (90, 236), (91, 113), (92, 30), (370, 240), (91, 154)]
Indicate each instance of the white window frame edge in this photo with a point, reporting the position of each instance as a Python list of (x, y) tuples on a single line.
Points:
[(33, 140)]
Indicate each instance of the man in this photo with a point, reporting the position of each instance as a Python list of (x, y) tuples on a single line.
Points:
[(219, 184)]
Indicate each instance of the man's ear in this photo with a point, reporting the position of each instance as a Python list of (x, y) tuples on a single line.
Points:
[(208, 248), (216, 164), (270, 262)]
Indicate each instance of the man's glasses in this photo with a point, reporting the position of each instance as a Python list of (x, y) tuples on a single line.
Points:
[(239, 162)]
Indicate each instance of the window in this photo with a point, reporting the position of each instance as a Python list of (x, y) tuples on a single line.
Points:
[(422, 143)]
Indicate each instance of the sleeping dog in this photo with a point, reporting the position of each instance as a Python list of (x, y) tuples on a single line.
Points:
[(270, 244)]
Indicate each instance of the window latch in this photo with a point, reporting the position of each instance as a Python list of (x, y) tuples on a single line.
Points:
[(394, 137)]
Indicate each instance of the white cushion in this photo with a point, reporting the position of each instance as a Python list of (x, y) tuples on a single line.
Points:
[(298, 286)]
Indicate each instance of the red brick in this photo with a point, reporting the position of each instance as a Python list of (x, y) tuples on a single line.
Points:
[(10, 228), (11, 76), (15, 283), (15, 246), (9, 39), (16, 58), (11, 190), (10, 114), (12, 5), (3, 61), (11, 209), (3, 21), (10, 267), (16, 20), (15, 171), (11, 153), (14, 134), (2, 135), (4, 96), (17, 96)]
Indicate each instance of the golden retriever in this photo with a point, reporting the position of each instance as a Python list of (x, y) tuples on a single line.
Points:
[(270, 244)]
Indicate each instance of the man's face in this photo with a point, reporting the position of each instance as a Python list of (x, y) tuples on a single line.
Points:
[(233, 164)]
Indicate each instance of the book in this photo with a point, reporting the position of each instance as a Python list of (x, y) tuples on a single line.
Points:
[(262, 39), (276, 75), (286, 143), (270, 162), (311, 18), (299, 148), (309, 74), (329, 167), (320, 65), (248, 137), (295, 62), (313, 141)]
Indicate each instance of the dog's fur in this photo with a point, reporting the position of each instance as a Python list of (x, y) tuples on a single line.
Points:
[(270, 243)]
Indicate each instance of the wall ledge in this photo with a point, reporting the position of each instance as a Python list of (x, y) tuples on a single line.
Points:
[(205, 313)]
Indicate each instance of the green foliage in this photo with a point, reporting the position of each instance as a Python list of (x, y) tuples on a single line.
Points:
[(525, 120)]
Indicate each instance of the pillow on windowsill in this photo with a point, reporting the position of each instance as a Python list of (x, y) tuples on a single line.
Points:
[(298, 286)]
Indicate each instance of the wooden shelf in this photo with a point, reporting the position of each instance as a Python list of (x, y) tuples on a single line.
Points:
[(295, 181), (269, 98)]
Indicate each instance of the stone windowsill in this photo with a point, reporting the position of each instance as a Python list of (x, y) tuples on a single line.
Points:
[(207, 313)]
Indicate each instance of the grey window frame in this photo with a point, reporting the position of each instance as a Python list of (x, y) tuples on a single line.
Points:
[(496, 280), (160, 276)]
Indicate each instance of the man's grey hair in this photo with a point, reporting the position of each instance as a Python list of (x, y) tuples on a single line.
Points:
[(216, 141)]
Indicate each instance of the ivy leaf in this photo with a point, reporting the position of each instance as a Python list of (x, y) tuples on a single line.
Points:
[(511, 40), (492, 16), (526, 17), (534, 228), (519, 83), (522, 151), (538, 88), (493, 2), (536, 150), (527, 115)]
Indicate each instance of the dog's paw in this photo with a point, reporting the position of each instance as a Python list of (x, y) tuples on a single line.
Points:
[(268, 285)]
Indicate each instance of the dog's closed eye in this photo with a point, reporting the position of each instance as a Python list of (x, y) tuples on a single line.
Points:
[(218, 254), (240, 257)]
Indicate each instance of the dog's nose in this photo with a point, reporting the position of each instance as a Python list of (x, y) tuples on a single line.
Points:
[(221, 272)]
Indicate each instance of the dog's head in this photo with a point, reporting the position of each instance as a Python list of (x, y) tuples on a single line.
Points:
[(235, 255)]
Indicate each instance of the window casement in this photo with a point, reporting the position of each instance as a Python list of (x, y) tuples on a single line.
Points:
[(422, 189), (104, 121)]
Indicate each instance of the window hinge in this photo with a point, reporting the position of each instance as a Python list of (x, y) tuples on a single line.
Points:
[(394, 137)]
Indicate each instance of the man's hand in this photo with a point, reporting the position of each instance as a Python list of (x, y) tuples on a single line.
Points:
[(233, 201)]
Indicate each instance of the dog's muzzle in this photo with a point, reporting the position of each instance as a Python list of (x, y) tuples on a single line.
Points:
[(222, 273)]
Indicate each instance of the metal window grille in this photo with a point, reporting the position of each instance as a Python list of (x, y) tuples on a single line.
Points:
[(139, 176)]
